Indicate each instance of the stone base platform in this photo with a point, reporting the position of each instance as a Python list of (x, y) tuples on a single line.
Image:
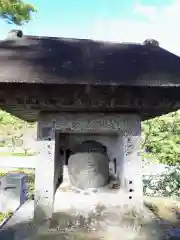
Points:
[(81, 216), (67, 198)]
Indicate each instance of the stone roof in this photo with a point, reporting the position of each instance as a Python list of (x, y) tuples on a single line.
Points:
[(60, 74), (34, 59)]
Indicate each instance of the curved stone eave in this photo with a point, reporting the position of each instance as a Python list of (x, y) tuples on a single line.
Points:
[(32, 115), (79, 61), (26, 100)]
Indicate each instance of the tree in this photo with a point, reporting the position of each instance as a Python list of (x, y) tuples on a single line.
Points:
[(16, 11), (167, 184), (161, 138)]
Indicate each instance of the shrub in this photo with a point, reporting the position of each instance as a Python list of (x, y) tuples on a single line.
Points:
[(167, 184)]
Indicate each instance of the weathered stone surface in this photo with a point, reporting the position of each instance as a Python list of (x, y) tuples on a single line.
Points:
[(27, 100), (46, 176), (88, 165), (80, 75), (34, 59), (88, 170), (12, 192), (123, 131), (90, 123)]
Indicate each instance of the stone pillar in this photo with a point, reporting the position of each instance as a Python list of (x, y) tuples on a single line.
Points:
[(59, 161), (45, 175), (120, 160), (132, 173)]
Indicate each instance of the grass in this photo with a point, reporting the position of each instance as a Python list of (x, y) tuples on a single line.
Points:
[(4, 216), (166, 210)]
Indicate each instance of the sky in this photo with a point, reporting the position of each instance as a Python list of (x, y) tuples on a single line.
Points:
[(109, 20)]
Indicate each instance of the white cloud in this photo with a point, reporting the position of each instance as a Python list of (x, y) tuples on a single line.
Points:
[(149, 12), (160, 24)]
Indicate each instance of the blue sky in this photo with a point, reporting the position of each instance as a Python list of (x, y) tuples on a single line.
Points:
[(114, 20)]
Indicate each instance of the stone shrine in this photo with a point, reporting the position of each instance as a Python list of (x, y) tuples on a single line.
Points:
[(89, 98)]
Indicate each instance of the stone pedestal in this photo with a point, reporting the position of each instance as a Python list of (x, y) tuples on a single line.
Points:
[(13, 191)]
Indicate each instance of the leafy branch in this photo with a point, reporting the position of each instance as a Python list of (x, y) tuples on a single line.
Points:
[(16, 11)]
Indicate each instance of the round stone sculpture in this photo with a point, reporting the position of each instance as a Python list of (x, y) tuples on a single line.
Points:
[(88, 166)]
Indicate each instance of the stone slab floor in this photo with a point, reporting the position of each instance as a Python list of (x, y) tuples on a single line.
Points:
[(80, 216)]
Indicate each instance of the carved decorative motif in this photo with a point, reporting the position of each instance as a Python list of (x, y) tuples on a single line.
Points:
[(145, 101), (80, 103)]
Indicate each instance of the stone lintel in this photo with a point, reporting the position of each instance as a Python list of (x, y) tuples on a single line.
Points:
[(88, 123)]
